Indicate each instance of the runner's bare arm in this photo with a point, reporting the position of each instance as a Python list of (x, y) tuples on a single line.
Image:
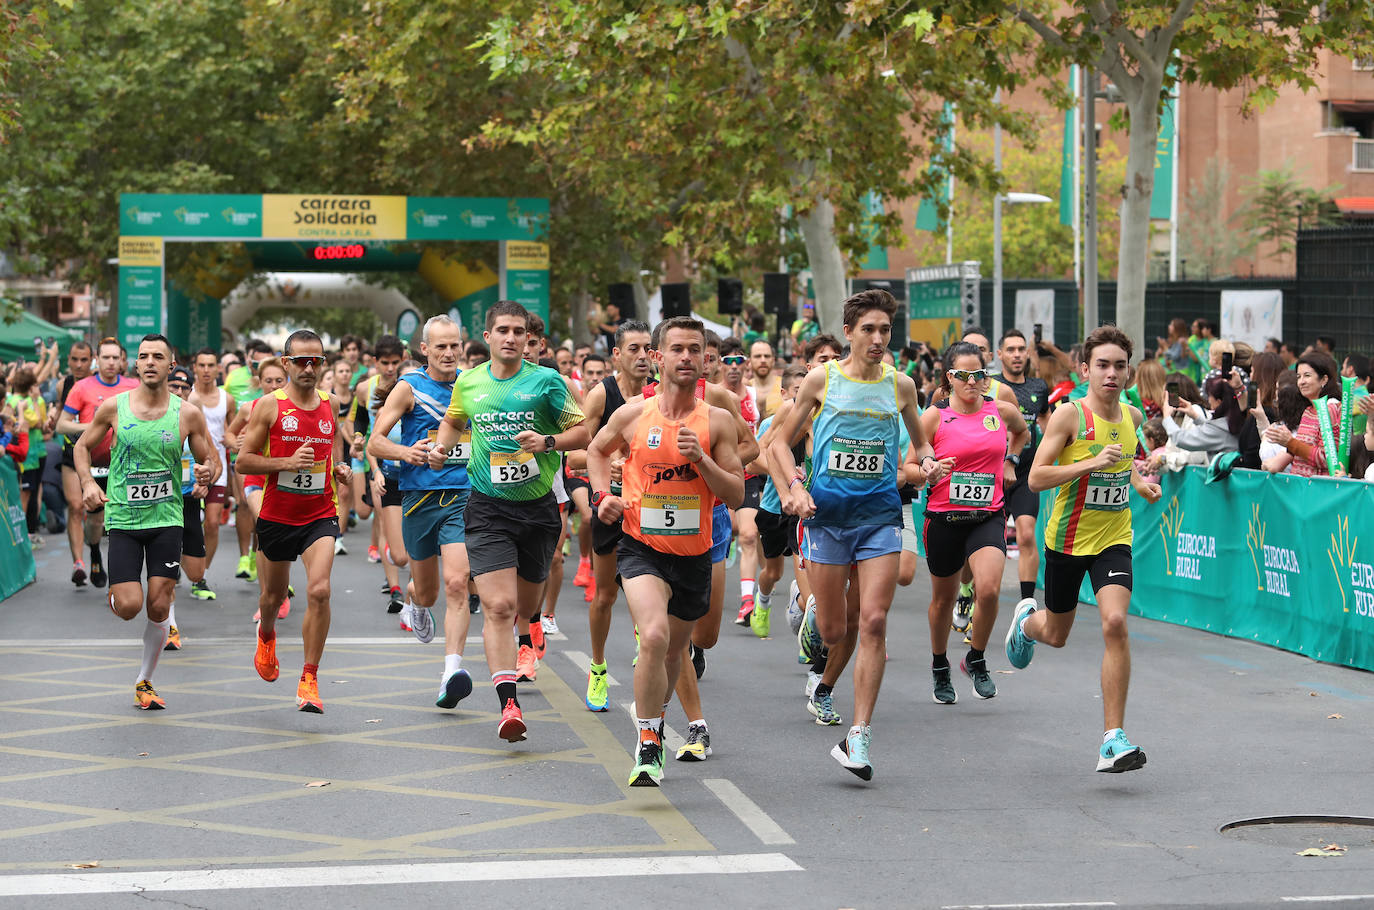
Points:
[(747, 446), (721, 467), (100, 424), (610, 440), (1045, 474), (1004, 393), (398, 404), (1011, 416), (195, 431), (343, 470), (782, 466), (251, 460)]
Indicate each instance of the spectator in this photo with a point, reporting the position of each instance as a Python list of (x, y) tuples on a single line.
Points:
[(757, 331), (806, 327), (1156, 438), (14, 436), (1362, 454), (1267, 369), (1272, 345), (1289, 406), (1149, 382), (1326, 345), (33, 413), (1175, 352), (1215, 427), (1204, 332), (1290, 353), (1318, 376), (605, 322), (1356, 366), (1220, 348)]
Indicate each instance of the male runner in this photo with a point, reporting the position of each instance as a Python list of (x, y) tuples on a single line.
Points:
[(245, 384), (78, 368), (850, 508), (434, 489), (1023, 504), (632, 359), (777, 534), (192, 531), (743, 520), (293, 440), (767, 387), (149, 425), (521, 415), (592, 372), (680, 457), (388, 355), (1088, 453), (218, 407), (80, 407)]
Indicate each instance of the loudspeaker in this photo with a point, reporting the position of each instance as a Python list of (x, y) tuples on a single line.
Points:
[(730, 296), (777, 292), (677, 299), (623, 296)]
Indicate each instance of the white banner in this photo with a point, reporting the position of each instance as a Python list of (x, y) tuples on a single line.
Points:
[(1251, 316), (1034, 306)]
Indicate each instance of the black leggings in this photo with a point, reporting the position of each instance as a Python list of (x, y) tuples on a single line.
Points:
[(32, 481)]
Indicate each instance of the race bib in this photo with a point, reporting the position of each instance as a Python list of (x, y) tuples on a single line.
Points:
[(100, 473), (511, 468), (861, 459), (669, 515), (311, 481), (971, 488), (1108, 491), (149, 487), (461, 452)]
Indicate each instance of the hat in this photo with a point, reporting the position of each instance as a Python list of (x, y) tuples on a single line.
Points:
[(180, 373), (1221, 466)]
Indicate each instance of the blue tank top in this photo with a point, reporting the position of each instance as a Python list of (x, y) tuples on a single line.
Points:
[(769, 501), (422, 422), (188, 461), (856, 452)]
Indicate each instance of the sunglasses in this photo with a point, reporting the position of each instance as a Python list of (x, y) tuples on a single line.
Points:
[(305, 360), (733, 359), (178, 384), (969, 375)]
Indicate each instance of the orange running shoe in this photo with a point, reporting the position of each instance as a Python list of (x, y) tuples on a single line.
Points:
[(308, 695), (583, 578), (526, 665), (591, 592), (146, 697), (512, 728), (541, 644), (173, 640), (265, 659), (285, 609)]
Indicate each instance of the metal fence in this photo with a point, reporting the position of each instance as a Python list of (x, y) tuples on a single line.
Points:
[(1335, 287)]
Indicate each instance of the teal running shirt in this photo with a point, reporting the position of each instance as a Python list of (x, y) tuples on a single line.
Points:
[(856, 451)]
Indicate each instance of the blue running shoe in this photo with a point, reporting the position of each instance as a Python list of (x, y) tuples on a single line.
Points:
[(457, 686), (853, 752), (809, 635), (1020, 649), (822, 707), (1119, 754)]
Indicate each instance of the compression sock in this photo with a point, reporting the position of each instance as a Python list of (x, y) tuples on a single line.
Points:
[(504, 681), (154, 638), (822, 690), (939, 661), (310, 670), (1027, 589)]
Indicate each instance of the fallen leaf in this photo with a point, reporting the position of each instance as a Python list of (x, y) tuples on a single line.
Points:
[(1313, 694), (83, 865), (340, 682), (143, 755), (1313, 851), (1339, 847), (318, 783), (1335, 717), (375, 720)]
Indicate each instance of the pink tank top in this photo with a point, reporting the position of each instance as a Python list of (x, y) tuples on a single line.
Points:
[(978, 443)]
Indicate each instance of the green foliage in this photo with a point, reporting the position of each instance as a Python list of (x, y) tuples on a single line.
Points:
[(1276, 201), (1209, 241), (335, 322)]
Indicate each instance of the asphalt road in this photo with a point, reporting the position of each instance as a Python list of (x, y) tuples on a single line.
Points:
[(209, 803)]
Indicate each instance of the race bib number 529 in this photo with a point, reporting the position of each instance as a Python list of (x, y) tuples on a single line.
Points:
[(509, 468)]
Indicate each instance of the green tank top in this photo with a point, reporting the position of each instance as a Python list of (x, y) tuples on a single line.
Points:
[(144, 489)]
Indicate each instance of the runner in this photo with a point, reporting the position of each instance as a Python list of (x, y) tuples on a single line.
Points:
[(855, 515), (521, 415), (354, 502), (1023, 504), (632, 359), (192, 530), (680, 456), (742, 521), (766, 386), (434, 488), (78, 368), (366, 400), (245, 384), (777, 534), (385, 495), (592, 372), (77, 413), (1087, 454), (292, 440), (964, 520), (149, 426), (217, 405)]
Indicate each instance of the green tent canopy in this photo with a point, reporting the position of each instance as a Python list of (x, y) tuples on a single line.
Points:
[(16, 338)]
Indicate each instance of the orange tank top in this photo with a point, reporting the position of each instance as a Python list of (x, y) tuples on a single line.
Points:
[(667, 503)]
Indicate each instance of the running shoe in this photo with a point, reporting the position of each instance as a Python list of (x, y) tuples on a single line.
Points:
[(550, 624), (537, 639), (474, 604), (977, 672), (173, 640), (285, 609), (146, 697), (526, 665), (386, 586), (79, 574), (374, 555), (731, 555), (308, 695), (245, 564), (698, 656), (252, 570), (36, 542), (422, 623), (1020, 649), (405, 619), (813, 679), (590, 593), (339, 548), (963, 613), (352, 519), (697, 745), (822, 707), (852, 752), (648, 770), (265, 659), (395, 601), (1119, 754), (455, 687), (809, 639), (512, 726), (759, 621), (943, 689), (597, 694), (201, 591), (746, 609), (584, 573), (795, 613), (98, 576)]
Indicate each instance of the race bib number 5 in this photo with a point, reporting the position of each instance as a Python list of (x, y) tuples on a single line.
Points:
[(669, 515), (1108, 491), (971, 488), (309, 482), (508, 468), (861, 459), (146, 488)]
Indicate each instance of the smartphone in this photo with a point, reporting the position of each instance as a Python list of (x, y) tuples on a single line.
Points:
[(1250, 397), (1039, 335), (50, 340), (37, 341), (1227, 360), (1171, 389)]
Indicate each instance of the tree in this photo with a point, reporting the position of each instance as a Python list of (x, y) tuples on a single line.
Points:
[(1145, 46), (21, 40), (1209, 239), (1277, 201)]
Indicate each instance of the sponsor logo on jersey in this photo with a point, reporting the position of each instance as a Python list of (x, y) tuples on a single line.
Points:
[(655, 437), (289, 423)]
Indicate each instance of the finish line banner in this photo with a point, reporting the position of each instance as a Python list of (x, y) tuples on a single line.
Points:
[(1272, 558)]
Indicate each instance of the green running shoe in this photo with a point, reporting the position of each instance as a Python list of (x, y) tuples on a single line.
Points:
[(597, 695), (648, 770), (201, 591), (245, 567), (758, 621)]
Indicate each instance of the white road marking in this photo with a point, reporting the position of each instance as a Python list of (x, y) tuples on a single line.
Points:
[(671, 741), (324, 876), (1047, 906), (582, 662), (748, 811), (1327, 898)]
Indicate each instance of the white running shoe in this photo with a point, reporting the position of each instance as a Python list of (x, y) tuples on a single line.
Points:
[(550, 625)]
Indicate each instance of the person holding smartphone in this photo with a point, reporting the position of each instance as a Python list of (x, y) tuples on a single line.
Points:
[(1215, 429)]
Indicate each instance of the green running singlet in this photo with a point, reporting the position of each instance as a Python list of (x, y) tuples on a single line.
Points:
[(144, 489)]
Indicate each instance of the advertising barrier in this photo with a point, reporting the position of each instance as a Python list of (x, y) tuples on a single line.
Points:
[(1272, 558), (16, 558)]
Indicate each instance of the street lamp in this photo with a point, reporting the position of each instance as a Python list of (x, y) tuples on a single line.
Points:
[(997, 201)]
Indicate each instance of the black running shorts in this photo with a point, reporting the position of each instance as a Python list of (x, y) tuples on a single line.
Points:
[(753, 489), (605, 538), (278, 542), (160, 548), (192, 530), (1064, 575), (688, 577), (1022, 500), (952, 537), (501, 534), (777, 534)]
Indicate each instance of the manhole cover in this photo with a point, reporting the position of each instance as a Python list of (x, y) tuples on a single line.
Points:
[(1300, 832)]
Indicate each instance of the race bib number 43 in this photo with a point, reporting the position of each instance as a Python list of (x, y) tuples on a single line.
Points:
[(669, 515), (861, 459), (146, 488), (973, 489), (310, 481), (509, 468), (1108, 491)]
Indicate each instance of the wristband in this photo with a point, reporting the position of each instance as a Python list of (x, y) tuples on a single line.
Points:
[(931, 457), (795, 481)]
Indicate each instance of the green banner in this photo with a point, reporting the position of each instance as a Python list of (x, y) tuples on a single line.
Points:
[(192, 322), (475, 218), (933, 311), (1068, 155), (1162, 199), (140, 304), (16, 557), (1272, 558), (471, 310), (530, 289), (202, 216)]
